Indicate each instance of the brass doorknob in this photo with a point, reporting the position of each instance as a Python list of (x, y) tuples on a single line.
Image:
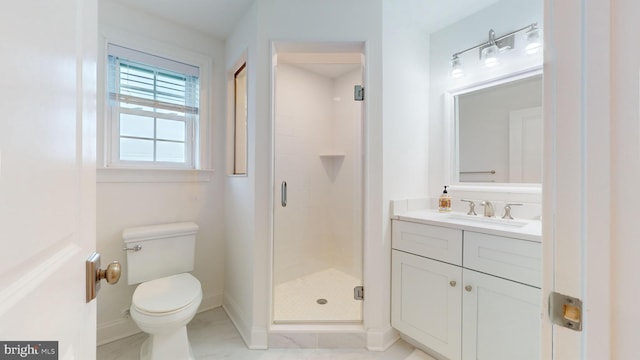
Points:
[(111, 273), (94, 274)]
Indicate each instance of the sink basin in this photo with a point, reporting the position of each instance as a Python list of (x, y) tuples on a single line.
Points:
[(487, 220)]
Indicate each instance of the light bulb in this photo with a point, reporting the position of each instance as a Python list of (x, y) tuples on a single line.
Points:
[(456, 68), (533, 41), (490, 55)]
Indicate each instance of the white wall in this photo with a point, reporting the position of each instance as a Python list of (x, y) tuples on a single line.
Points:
[(503, 17), (240, 249), (127, 204), (406, 107), (404, 131)]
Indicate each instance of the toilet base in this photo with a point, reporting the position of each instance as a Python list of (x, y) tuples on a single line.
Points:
[(167, 346)]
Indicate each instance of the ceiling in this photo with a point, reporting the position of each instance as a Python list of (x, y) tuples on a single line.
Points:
[(218, 17), (213, 17), (439, 14)]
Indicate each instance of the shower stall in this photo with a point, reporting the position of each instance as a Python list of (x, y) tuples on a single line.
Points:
[(318, 192)]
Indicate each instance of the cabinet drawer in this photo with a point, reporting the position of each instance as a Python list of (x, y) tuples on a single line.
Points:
[(513, 259), (434, 242)]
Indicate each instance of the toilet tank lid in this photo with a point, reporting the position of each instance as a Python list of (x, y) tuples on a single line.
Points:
[(155, 231)]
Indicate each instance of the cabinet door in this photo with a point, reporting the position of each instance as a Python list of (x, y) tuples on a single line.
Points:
[(501, 319), (426, 301)]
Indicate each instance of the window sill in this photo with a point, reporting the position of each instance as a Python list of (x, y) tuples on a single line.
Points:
[(121, 175)]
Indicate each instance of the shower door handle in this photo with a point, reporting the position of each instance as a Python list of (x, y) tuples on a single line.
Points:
[(283, 194)]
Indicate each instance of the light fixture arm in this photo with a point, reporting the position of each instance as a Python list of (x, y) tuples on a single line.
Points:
[(493, 39)]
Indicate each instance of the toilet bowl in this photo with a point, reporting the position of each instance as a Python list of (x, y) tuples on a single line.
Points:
[(167, 297), (163, 308)]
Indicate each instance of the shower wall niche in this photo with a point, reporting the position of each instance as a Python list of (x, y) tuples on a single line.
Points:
[(318, 236)]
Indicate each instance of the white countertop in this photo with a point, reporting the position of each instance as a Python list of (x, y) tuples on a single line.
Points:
[(518, 228)]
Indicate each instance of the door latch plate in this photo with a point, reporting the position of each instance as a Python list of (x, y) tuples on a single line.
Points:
[(93, 284), (565, 311)]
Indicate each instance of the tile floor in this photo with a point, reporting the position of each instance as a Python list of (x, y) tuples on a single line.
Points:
[(296, 300), (213, 336)]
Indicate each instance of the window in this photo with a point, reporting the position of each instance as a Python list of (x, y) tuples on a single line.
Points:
[(240, 121), (154, 110)]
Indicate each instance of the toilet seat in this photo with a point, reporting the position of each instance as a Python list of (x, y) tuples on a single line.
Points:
[(166, 296)]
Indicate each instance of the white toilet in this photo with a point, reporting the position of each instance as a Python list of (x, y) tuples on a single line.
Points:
[(159, 258)]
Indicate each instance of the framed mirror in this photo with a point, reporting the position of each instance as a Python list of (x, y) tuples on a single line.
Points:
[(497, 132)]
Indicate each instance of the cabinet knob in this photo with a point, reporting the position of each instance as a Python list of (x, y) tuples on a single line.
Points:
[(452, 283), (468, 288)]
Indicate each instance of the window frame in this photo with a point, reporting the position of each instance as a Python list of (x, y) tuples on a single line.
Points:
[(201, 164), (240, 139), (115, 110), (241, 64)]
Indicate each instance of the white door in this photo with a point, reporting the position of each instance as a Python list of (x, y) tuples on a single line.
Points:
[(577, 172), (47, 173), (525, 145), (625, 166)]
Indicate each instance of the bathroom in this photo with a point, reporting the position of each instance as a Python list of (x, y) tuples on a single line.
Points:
[(402, 154), (235, 273)]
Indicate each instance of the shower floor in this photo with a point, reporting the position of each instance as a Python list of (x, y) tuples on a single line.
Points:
[(296, 300)]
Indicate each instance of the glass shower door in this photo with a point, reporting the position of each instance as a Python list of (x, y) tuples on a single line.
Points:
[(318, 195)]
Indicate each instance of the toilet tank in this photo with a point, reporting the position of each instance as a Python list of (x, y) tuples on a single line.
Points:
[(164, 250)]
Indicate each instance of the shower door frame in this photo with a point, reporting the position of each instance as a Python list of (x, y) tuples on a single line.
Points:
[(337, 47)]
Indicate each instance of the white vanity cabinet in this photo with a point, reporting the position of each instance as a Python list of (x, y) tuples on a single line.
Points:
[(464, 294)]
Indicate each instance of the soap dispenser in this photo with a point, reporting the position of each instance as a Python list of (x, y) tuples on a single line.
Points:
[(444, 203)]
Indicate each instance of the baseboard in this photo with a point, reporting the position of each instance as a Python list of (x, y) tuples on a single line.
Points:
[(231, 307), (115, 330), (325, 336), (210, 302), (254, 338), (381, 339), (259, 339), (121, 328)]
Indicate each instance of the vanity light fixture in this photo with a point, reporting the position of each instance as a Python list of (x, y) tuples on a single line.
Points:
[(490, 50)]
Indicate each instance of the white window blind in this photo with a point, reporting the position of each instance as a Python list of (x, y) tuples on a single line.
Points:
[(154, 110)]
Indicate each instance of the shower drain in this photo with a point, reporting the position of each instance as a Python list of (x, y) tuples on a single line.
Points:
[(321, 301)]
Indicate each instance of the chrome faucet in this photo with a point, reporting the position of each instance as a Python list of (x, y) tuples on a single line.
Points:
[(472, 207), (507, 211), (488, 208)]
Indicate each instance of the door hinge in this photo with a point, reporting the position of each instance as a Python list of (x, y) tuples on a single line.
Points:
[(565, 311), (358, 293), (358, 93)]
